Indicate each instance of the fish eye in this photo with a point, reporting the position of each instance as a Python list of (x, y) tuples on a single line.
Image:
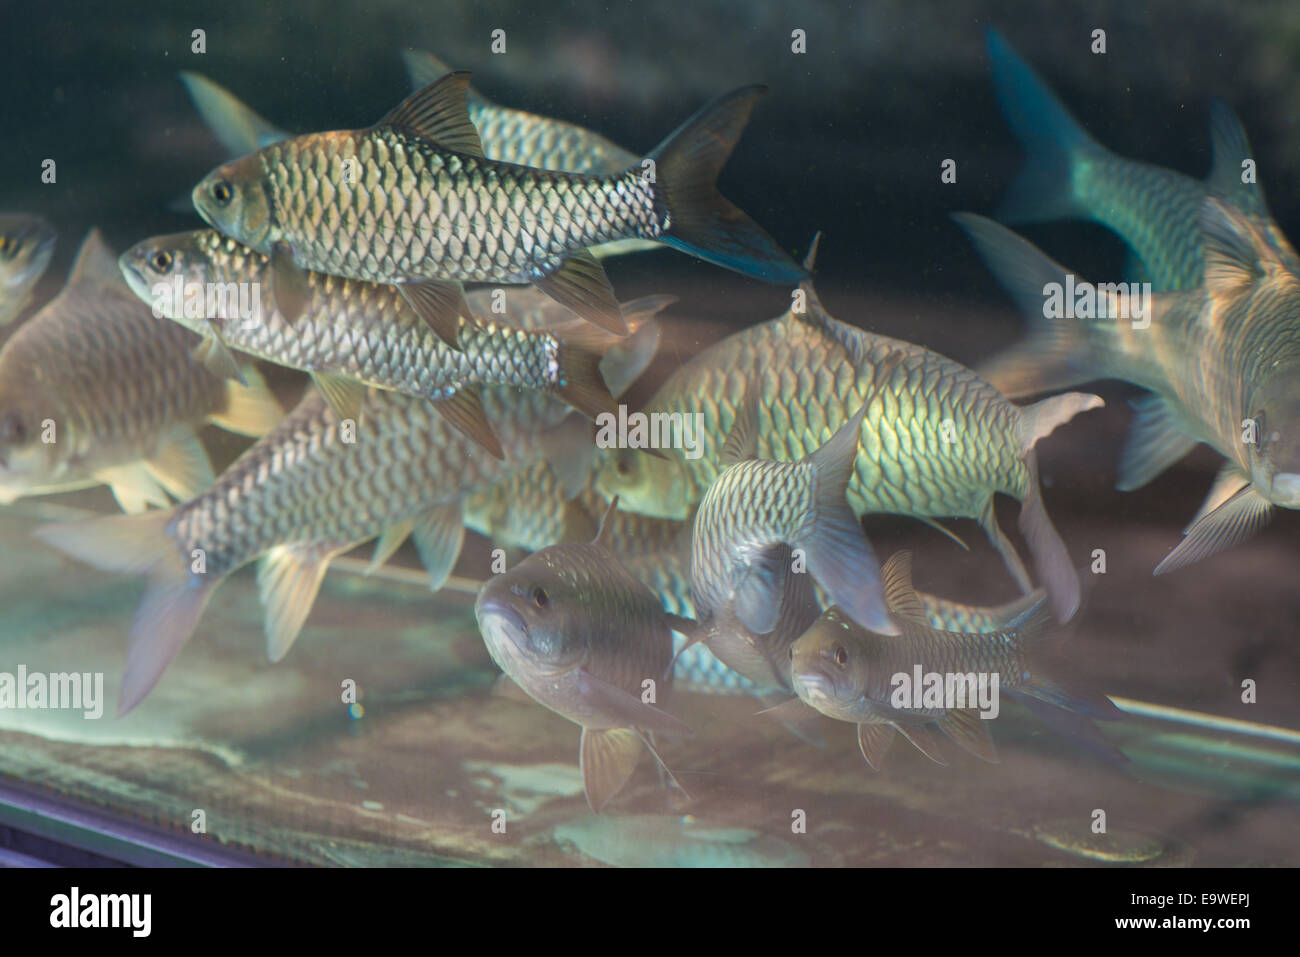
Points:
[(161, 260), (13, 430), (623, 465), (8, 247), (540, 598), (841, 656), (222, 192)]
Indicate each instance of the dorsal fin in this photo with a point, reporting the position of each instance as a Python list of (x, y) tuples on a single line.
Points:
[(422, 68), (741, 443), (1236, 252), (439, 113), (95, 262), (1230, 149), (816, 316), (896, 576)]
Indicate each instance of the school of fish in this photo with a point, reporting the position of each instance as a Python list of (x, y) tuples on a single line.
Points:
[(732, 559)]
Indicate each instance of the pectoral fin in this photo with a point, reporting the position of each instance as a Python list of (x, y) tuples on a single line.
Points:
[(873, 741), (251, 407), (1237, 519), (1230, 480), (759, 590), (607, 759), (621, 706), (288, 283), (800, 719)]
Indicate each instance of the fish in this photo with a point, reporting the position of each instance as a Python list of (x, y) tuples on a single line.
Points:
[(26, 246), (579, 635), (414, 201), (647, 840), (95, 390), (762, 523), (1221, 365), (507, 135), (937, 439), (311, 489), (1156, 211), (355, 334), (848, 673), (531, 509)]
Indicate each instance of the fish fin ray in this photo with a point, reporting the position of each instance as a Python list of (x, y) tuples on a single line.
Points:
[(389, 542), (345, 395), (701, 221), (1239, 518), (237, 127), (1228, 482), (133, 486), (251, 407), (289, 284), (921, 738), (900, 595), (439, 113), (628, 707), (214, 355), (580, 285), (874, 741), (288, 580), (95, 262), (1230, 146), (181, 465), (970, 732), (607, 759), (463, 409), (438, 535), (440, 303), (1155, 441)]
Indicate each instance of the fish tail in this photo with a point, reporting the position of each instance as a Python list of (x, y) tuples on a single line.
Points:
[(839, 555), (700, 220), (237, 128), (251, 408), (1058, 352), (174, 598), (1051, 559), (1052, 138)]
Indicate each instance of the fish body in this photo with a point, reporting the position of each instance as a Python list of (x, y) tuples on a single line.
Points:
[(1156, 211), (937, 440), (94, 389), (26, 245), (352, 334), (572, 628), (851, 674), (413, 200), (1222, 364)]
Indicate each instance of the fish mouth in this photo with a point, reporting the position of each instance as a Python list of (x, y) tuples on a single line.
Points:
[(1286, 489), (813, 687), (504, 630)]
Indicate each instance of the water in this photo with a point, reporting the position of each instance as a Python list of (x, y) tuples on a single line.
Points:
[(849, 141)]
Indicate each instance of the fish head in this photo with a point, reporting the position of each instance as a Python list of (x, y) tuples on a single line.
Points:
[(1275, 455), (828, 668), (151, 267), (233, 199), (644, 483), (536, 617), (26, 245)]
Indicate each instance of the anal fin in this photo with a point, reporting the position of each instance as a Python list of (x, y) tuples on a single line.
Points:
[(288, 578), (580, 284), (438, 535), (464, 410)]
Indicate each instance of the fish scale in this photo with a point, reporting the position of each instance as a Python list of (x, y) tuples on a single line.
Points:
[(447, 229), (904, 464)]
